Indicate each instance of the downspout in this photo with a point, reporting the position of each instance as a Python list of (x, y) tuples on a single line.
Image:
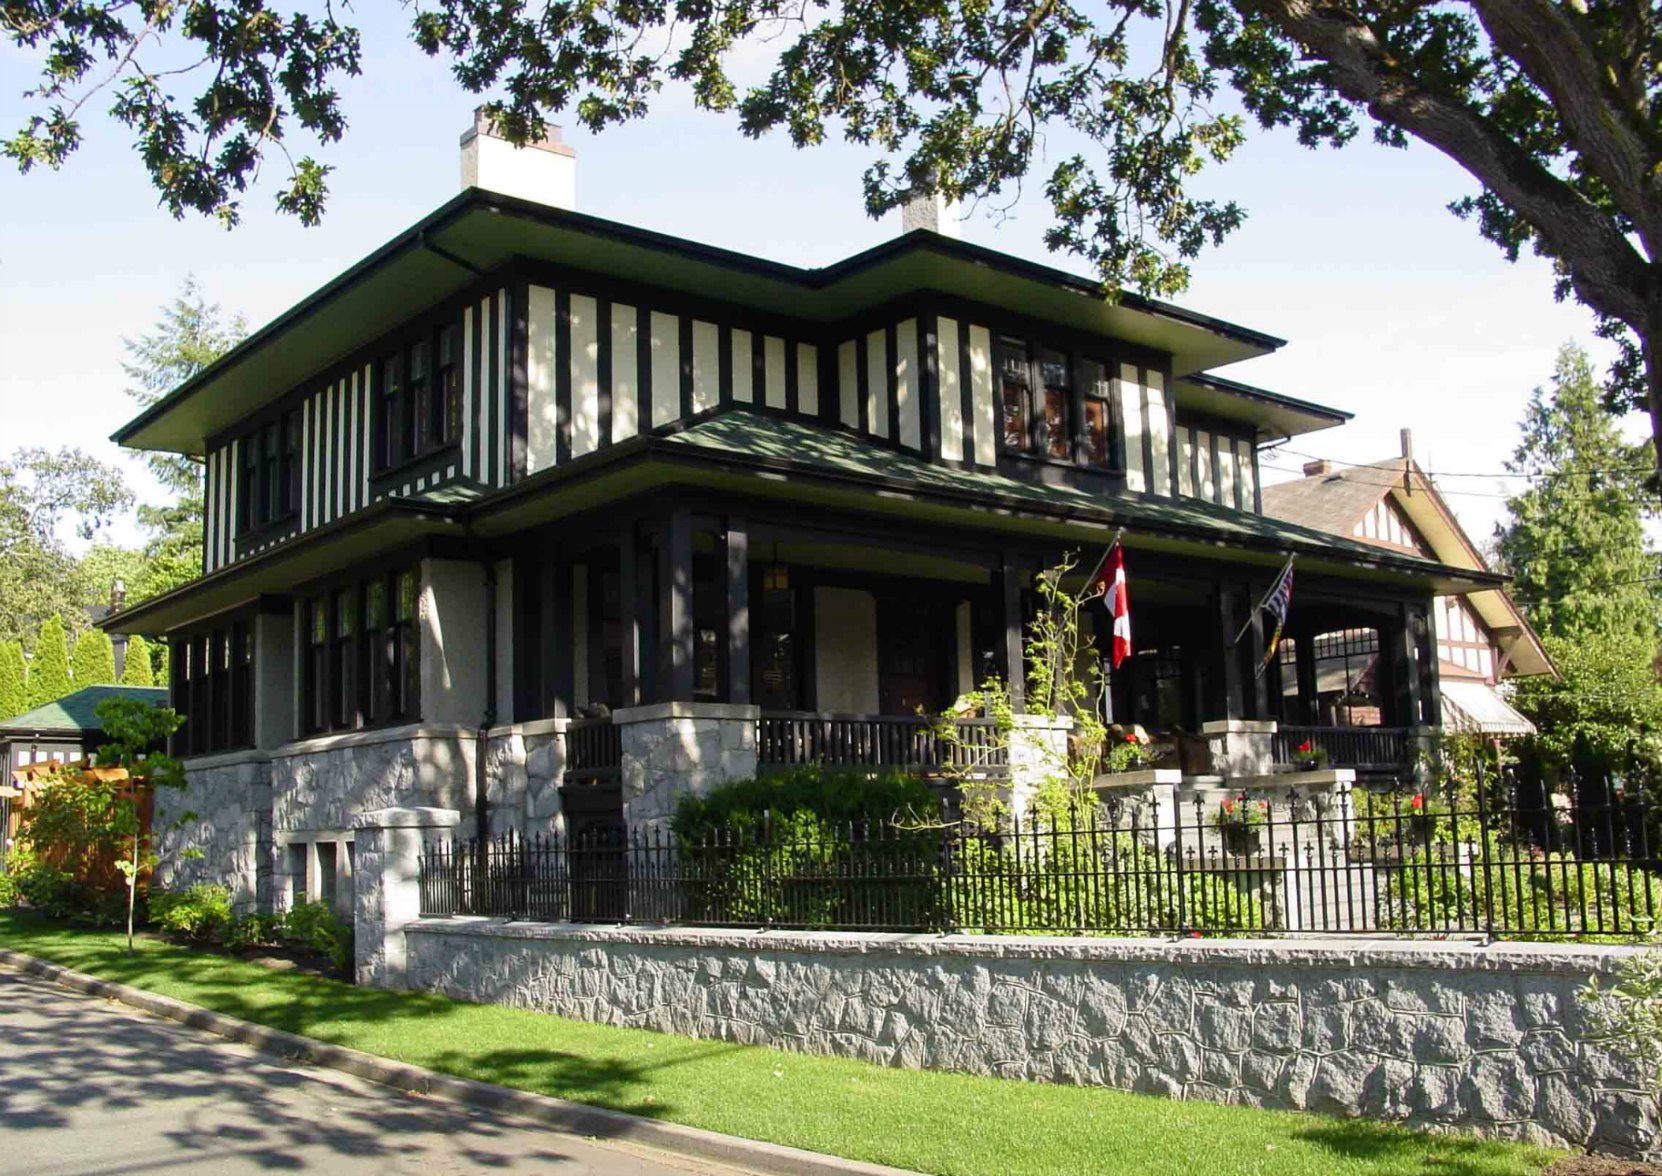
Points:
[(481, 804)]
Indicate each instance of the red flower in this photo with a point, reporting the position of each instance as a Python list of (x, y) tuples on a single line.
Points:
[(1306, 746), (1130, 737), (1417, 801), (1228, 805)]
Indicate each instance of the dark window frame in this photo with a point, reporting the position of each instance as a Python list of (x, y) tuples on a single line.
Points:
[(362, 659), (417, 408), (212, 686), (268, 474), (1041, 401)]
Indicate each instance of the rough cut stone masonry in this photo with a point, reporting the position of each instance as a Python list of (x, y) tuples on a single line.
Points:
[(1433, 1035)]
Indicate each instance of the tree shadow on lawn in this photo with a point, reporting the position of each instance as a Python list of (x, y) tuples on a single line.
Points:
[(1397, 1148)]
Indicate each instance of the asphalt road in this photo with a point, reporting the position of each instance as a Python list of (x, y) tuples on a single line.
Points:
[(89, 1086)]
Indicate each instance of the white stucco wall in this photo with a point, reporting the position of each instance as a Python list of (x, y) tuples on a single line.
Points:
[(845, 650), (452, 641)]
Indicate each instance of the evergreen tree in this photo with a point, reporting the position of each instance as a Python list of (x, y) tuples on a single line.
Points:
[(49, 667), (93, 663), (14, 685), (136, 671), (1588, 581), (1575, 544), (164, 673)]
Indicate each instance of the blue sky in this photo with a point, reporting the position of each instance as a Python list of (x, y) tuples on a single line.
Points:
[(1393, 309)]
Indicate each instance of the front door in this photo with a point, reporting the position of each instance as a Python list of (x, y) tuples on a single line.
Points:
[(910, 656)]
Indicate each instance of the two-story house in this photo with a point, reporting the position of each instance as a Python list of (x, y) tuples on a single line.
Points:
[(541, 517)]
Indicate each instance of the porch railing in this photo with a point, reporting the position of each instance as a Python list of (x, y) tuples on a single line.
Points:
[(594, 750), (1378, 749), (914, 743)]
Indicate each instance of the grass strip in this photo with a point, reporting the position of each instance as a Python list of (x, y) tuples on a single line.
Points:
[(952, 1124)]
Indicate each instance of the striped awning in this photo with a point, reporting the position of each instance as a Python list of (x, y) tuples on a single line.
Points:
[(1476, 707)]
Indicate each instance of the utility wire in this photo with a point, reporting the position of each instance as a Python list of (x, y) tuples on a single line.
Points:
[(1397, 481), (1374, 465)]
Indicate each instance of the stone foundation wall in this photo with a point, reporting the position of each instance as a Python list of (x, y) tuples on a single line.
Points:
[(1432, 1035), (674, 748), (231, 797), (323, 784)]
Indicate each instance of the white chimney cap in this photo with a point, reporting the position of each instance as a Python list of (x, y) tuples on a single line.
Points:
[(544, 170)]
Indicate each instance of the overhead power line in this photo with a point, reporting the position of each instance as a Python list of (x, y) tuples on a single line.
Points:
[(1640, 470)]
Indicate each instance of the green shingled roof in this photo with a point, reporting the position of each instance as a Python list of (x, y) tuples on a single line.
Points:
[(78, 711), (752, 437)]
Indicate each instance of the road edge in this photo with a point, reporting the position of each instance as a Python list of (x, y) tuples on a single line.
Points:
[(574, 1118)]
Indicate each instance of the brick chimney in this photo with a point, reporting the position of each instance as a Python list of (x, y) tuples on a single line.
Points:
[(118, 596), (1319, 468), (544, 170)]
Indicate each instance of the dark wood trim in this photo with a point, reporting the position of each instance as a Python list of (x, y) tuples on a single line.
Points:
[(891, 376), (643, 371), (860, 385), (675, 588), (562, 376), (480, 406), (603, 366), (966, 395), (737, 550), (562, 642), (684, 344), (929, 384), (519, 378), (724, 366), (792, 392), (629, 629), (1009, 652)]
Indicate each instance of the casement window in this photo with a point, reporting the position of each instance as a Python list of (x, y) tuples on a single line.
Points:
[(1055, 404), (419, 398), (363, 662), (268, 474), (213, 689)]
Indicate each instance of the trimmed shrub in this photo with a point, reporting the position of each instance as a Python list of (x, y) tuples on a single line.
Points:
[(93, 662), (49, 667), (136, 669), (201, 914)]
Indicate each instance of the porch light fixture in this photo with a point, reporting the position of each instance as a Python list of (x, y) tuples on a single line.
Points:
[(777, 577)]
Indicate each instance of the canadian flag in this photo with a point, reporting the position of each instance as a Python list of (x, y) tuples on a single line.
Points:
[(1109, 583)]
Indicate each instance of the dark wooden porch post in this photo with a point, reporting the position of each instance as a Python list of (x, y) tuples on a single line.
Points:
[(1257, 685), (1009, 645), (1309, 693), (1405, 670), (1226, 658), (558, 635), (738, 611), (629, 624), (1431, 672), (675, 609)]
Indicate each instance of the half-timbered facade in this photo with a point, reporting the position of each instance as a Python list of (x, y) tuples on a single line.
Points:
[(544, 517), (1481, 637)]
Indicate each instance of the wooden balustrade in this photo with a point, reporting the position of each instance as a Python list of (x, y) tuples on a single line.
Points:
[(594, 750), (1371, 748), (912, 743)]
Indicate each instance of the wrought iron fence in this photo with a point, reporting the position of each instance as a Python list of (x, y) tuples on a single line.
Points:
[(1208, 863), (913, 743)]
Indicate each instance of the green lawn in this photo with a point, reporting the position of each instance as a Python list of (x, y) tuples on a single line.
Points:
[(939, 1123)]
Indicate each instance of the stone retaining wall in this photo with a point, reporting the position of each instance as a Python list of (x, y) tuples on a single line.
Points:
[(230, 796), (1433, 1035)]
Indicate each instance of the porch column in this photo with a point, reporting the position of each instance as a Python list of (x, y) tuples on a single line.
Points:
[(1255, 680), (629, 624), (1009, 645), (558, 635), (1406, 676), (675, 608), (738, 611), (1225, 657), (1431, 689), (1309, 701)]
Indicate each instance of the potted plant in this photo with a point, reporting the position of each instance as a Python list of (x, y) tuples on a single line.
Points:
[(1241, 821), (1127, 752), (1309, 757)]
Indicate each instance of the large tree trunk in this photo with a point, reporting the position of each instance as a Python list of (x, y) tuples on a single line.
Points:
[(1650, 339)]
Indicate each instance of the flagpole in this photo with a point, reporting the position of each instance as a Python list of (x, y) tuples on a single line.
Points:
[(1106, 552), (1262, 601)]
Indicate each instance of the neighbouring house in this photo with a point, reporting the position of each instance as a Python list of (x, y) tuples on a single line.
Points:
[(1482, 637), (66, 731), (545, 519)]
